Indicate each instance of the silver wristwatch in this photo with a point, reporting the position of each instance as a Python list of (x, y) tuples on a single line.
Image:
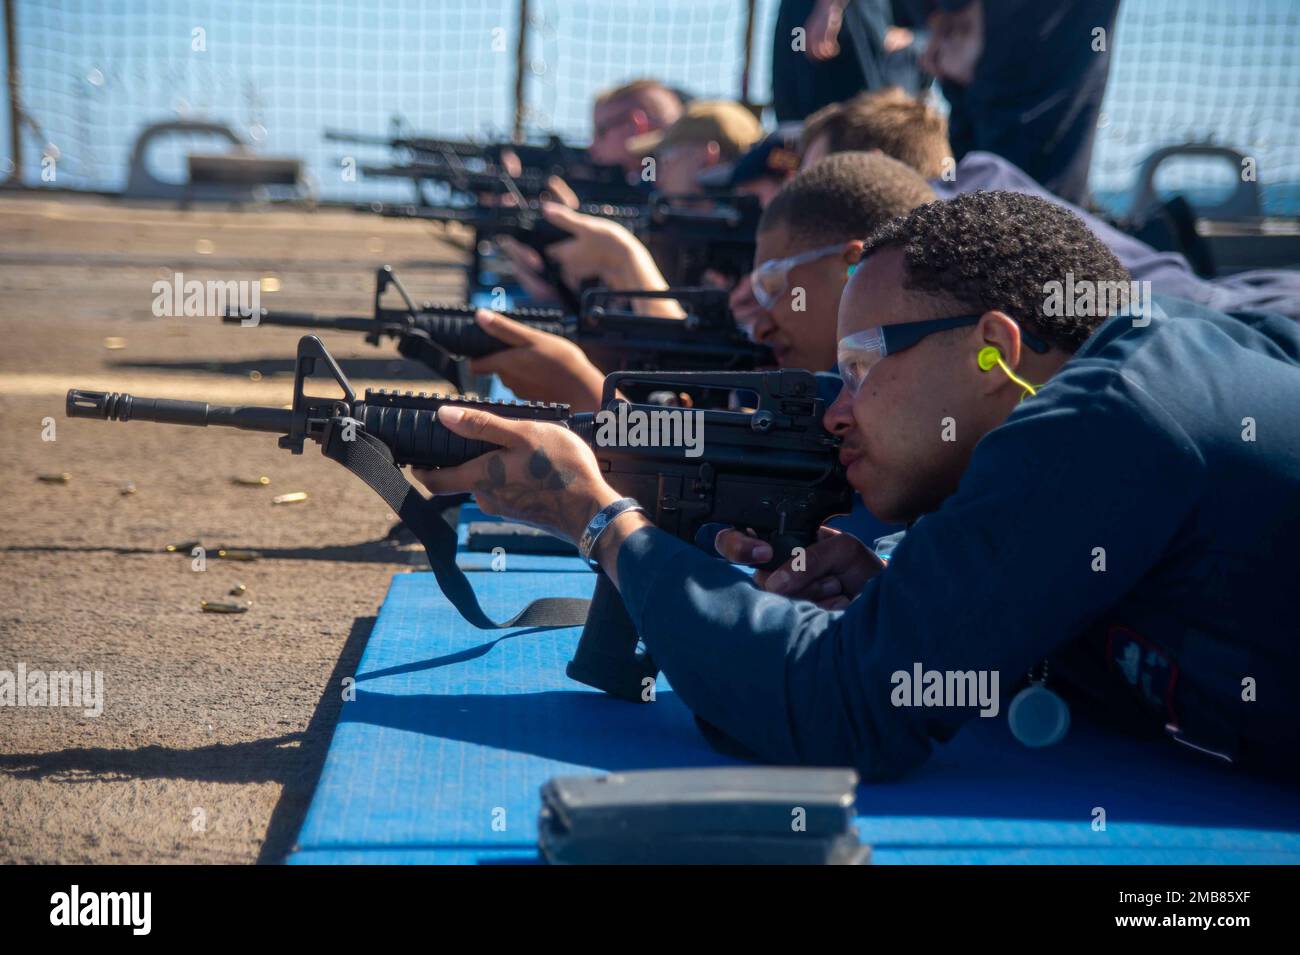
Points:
[(596, 526)]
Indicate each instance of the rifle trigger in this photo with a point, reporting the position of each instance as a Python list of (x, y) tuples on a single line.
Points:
[(707, 475)]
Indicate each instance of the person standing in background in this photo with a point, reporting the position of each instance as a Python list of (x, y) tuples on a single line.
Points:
[(1025, 81), (824, 51)]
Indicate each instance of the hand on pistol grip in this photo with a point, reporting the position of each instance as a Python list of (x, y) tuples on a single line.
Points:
[(829, 571)]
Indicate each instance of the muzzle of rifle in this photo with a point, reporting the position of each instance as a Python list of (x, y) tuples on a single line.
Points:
[(115, 406)]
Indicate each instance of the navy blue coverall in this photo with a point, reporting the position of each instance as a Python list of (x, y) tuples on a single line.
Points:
[(1174, 448)]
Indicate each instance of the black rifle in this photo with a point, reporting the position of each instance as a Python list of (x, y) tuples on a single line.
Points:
[(441, 335), (691, 235), (413, 326), (688, 236), (469, 182), (444, 159), (771, 467), (589, 180), (615, 336), (523, 222)]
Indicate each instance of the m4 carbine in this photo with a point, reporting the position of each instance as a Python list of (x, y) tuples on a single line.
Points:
[(614, 336), (690, 236), (771, 467), (523, 222), (413, 326), (469, 182), (590, 181)]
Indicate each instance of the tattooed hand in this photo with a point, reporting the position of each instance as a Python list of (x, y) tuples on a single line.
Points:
[(543, 475)]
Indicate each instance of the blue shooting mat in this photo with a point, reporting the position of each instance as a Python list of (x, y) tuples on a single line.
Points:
[(440, 757), (475, 561), (453, 730)]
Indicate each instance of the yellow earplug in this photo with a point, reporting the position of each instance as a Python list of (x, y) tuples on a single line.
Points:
[(989, 357)]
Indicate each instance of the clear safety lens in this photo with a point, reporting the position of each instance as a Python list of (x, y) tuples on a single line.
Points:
[(769, 281), (857, 354)]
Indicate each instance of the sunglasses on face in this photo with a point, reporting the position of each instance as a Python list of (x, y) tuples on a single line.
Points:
[(858, 353), (771, 280)]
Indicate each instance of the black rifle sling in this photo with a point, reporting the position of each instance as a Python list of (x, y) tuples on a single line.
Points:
[(370, 459)]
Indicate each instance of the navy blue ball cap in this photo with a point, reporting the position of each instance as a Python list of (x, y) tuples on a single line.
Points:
[(776, 154)]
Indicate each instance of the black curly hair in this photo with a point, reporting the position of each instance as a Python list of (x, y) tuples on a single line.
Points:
[(1000, 251), (844, 197)]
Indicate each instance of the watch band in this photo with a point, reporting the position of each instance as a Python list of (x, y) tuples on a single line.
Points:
[(596, 526)]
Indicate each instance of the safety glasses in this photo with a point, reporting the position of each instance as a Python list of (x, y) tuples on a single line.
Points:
[(771, 280), (858, 353)]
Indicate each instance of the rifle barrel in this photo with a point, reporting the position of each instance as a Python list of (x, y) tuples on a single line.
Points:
[(118, 406), (340, 323)]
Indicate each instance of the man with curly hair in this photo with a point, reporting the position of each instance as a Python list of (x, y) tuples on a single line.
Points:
[(1116, 495)]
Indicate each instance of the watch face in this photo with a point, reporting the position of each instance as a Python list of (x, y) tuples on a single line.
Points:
[(1038, 717)]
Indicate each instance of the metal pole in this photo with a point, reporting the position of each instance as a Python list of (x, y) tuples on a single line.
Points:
[(521, 65), (15, 109), (749, 50)]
